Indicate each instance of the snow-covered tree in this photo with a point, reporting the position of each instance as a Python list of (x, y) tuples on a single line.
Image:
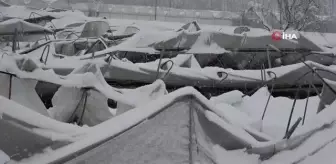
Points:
[(260, 16), (94, 7), (291, 14), (297, 14)]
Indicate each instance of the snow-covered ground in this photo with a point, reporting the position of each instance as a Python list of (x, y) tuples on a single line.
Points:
[(81, 115)]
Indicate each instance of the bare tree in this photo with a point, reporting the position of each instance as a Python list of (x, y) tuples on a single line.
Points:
[(262, 14), (291, 14), (297, 14), (94, 7)]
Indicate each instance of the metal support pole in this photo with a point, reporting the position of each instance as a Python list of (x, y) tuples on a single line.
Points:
[(155, 13), (269, 58), (159, 65), (291, 113)]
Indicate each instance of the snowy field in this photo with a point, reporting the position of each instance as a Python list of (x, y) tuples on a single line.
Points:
[(79, 89)]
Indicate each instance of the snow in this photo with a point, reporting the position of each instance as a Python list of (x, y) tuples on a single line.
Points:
[(122, 122), (181, 60), (239, 133), (239, 115), (9, 27), (80, 77), (23, 12), (16, 12), (234, 115), (64, 103), (148, 72), (36, 54), (69, 101), (138, 114), (248, 111), (237, 156), (202, 46), (232, 98), (322, 39), (277, 114), (323, 125), (142, 25), (133, 116), (87, 79), (64, 21), (15, 110), (326, 154), (142, 95), (4, 158), (23, 92)]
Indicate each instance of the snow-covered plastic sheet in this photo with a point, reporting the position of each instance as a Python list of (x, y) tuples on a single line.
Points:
[(206, 42), (142, 95), (208, 76), (22, 91), (70, 102), (327, 95), (88, 75), (181, 60), (213, 132), (24, 12), (248, 111), (25, 132), (205, 129), (9, 27), (94, 29), (214, 76), (178, 133), (163, 139), (179, 75), (4, 157), (214, 41)]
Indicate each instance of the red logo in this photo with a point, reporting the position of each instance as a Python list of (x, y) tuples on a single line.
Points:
[(277, 35)]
